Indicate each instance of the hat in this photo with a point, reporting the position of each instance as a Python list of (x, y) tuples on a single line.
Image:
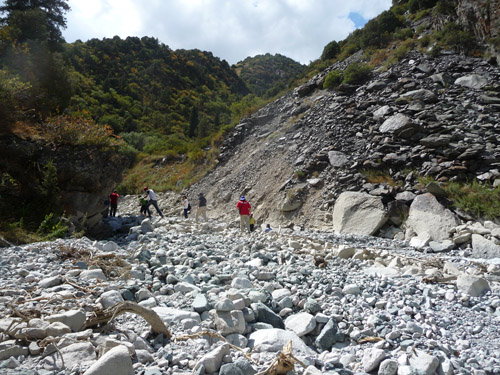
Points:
[(145, 188), (242, 198)]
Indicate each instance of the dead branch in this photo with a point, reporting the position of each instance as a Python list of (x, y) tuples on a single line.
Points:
[(284, 362), (213, 334), (148, 314), (370, 339)]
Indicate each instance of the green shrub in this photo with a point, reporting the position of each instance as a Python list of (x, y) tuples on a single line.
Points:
[(52, 228), (446, 7), (333, 79), (453, 36), (76, 131), (403, 34), (425, 40), (300, 174), (403, 50), (416, 5), (330, 51), (480, 200), (356, 73)]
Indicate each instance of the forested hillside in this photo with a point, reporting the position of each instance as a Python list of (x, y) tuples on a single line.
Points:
[(266, 75), (143, 85)]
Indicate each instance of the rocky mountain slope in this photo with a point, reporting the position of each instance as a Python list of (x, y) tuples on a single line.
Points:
[(427, 116)]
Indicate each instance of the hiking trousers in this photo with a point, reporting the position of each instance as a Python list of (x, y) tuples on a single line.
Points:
[(201, 211), (155, 205), (245, 223)]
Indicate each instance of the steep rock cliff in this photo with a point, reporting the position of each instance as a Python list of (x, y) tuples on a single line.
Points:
[(85, 174)]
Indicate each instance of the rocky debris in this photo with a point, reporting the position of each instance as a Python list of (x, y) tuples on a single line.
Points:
[(370, 305)]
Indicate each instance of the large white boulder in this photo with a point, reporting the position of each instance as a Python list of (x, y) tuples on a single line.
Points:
[(358, 213), (428, 217)]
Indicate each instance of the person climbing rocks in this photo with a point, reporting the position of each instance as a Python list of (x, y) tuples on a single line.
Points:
[(152, 201), (244, 208), (144, 207), (202, 207), (113, 203), (252, 223), (186, 205), (268, 228)]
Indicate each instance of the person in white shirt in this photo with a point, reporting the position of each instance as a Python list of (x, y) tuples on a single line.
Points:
[(152, 201), (185, 204)]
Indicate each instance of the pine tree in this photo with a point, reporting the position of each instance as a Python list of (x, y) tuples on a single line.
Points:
[(35, 19)]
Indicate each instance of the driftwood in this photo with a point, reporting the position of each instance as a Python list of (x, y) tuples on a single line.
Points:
[(284, 362), (216, 335), (148, 314), (370, 339)]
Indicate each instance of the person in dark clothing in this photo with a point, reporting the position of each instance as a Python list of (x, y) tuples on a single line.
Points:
[(113, 203)]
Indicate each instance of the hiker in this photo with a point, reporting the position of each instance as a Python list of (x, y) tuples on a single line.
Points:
[(268, 228), (244, 208), (202, 207), (113, 203), (186, 205), (252, 223), (151, 198), (144, 207)]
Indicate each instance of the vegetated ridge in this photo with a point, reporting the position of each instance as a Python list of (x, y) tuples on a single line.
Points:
[(266, 75)]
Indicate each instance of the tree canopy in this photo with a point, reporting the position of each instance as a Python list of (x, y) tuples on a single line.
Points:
[(35, 19)]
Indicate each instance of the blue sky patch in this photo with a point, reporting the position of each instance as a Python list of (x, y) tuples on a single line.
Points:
[(358, 20)]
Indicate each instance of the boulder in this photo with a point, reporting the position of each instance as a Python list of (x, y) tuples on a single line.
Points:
[(337, 159), (228, 322), (301, 323), (472, 81), (423, 364), (358, 213), (472, 285), (114, 362), (421, 94), (484, 248), (428, 216), (274, 339), (400, 126)]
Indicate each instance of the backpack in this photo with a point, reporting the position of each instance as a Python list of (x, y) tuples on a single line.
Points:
[(189, 206)]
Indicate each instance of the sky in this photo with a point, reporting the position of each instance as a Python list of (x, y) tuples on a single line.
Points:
[(231, 29)]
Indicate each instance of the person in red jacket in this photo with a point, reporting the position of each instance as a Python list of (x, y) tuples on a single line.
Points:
[(244, 207), (113, 202)]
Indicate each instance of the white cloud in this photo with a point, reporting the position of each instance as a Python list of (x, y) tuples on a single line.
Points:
[(230, 29)]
